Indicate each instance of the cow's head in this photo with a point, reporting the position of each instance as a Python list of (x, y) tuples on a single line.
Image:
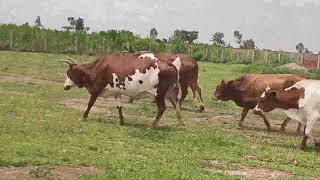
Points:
[(221, 92), (267, 101), (76, 75)]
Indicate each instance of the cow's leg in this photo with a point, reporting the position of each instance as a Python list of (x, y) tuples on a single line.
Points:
[(92, 100), (130, 100), (284, 124), (119, 107), (196, 90), (299, 128), (178, 106), (243, 116), (265, 121), (308, 132), (160, 100), (171, 96)]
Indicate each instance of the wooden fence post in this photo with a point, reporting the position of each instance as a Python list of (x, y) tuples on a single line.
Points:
[(279, 57), (76, 45), (267, 60), (252, 58), (11, 39), (318, 62), (44, 42), (222, 55), (302, 56), (103, 46), (207, 52)]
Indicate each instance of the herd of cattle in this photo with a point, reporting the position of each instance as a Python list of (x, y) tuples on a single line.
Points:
[(170, 76)]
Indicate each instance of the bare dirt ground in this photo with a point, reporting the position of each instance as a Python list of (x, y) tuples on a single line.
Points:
[(292, 66), (100, 105), (247, 172), (25, 79), (65, 173)]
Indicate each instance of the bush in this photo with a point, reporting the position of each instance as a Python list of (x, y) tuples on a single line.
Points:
[(198, 56), (180, 47)]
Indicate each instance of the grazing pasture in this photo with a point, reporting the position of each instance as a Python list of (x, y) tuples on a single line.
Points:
[(41, 132)]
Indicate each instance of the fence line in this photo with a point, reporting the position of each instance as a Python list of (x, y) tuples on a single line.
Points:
[(40, 41)]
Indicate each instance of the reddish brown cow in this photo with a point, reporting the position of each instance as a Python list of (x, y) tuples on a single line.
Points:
[(112, 76), (188, 75), (246, 91)]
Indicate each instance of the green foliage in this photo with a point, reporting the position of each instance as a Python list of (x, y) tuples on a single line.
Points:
[(238, 36), (31, 39), (300, 47), (198, 56), (258, 68), (180, 46), (217, 39), (248, 44), (183, 35), (153, 33)]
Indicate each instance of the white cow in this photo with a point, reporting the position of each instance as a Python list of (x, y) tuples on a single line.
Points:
[(300, 102)]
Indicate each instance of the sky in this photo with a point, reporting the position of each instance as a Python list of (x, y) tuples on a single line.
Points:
[(272, 24)]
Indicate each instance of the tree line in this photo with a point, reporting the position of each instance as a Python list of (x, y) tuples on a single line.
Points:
[(178, 36)]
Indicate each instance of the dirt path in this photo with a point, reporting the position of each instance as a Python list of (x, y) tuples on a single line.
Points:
[(26, 79), (52, 172)]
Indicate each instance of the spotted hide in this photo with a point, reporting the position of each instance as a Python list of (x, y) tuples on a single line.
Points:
[(188, 76), (112, 76)]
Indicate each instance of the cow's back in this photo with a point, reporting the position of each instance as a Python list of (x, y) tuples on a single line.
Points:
[(253, 85)]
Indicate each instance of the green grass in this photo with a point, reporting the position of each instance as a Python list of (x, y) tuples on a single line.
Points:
[(36, 131)]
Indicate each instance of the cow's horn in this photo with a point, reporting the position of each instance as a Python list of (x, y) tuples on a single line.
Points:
[(72, 60), (68, 62)]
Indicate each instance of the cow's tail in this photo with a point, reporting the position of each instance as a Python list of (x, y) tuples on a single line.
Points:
[(177, 64)]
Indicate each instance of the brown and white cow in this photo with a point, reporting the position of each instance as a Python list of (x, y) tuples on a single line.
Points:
[(188, 75), (112, 76), (300, 102), (246, 91)]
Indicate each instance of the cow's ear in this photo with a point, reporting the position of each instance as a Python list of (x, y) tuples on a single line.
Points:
[(223, 82)]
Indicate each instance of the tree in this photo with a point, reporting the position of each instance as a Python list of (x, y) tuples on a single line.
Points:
[(307, 51), (300, 47), (38, 22), (217, 39), (183, 35), (79, 26), (248, 44), (76, 24), (153, 33), (238, 36)]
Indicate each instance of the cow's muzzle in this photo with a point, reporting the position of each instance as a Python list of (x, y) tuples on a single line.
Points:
[(67, 88)]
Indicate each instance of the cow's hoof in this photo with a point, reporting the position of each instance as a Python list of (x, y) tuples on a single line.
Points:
[(84, 119), (201, 109), (282, 130), (302, 148)]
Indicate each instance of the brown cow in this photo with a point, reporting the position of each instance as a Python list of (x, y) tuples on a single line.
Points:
[(188, 75), (246, 91), (112, 76)]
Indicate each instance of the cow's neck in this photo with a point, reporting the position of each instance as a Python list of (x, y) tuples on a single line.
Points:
[(288, 100), (235, 94), (91, 78)]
